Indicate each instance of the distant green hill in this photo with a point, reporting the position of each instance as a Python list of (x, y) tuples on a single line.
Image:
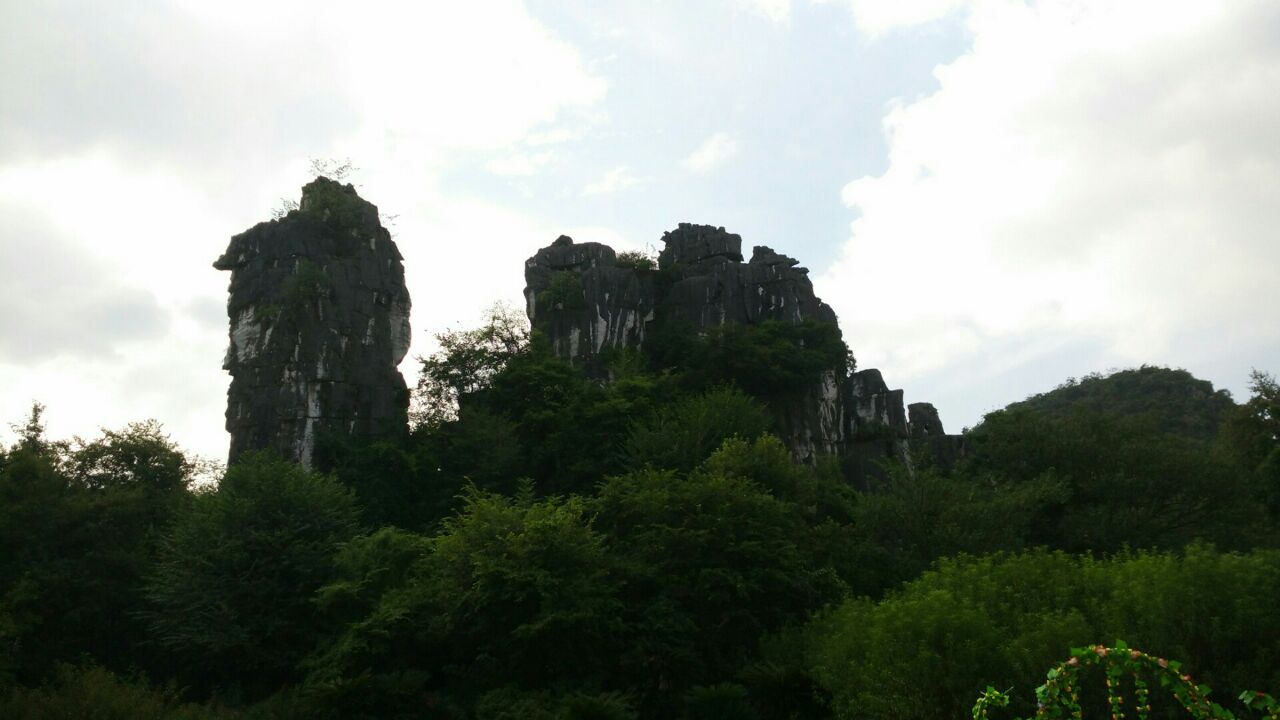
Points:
[(1174, 400)]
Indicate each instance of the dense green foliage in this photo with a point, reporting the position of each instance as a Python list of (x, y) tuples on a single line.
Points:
[(927, 650), (230, 591), (767, 359), (79, 693), (78, 525), (564, 292), (1171, 399), (467, 361), (636, 260), (546, 544), (1251, 436), (1127, 479)]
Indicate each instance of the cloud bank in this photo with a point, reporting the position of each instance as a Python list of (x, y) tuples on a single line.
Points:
[(1089, 174), (134, 141)]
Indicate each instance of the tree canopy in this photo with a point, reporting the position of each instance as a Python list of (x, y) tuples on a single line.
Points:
[(551, 543)]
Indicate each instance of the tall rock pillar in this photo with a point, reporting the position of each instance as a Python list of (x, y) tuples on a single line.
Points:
[(319, 321)]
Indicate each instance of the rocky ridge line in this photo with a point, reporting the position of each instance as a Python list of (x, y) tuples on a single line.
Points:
[(587, 304)]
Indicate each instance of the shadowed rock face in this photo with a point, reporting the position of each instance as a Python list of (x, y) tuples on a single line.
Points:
[(875, 405), (715, 286), (586, 303), (319, 321), (923, 420)]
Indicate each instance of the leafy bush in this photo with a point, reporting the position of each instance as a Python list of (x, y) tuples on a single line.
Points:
[(513, 593), (467, 362), (1251, 438), (563, 292), (725, 701), (682, 434), (765, 359), (636, 260), (77, 523), (305, 286), (913, 517), (602, 706), (92, 692), (230, 596), (711, 563)]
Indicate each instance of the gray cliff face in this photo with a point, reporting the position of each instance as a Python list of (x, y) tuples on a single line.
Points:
[(923, 421), (876, 407), (715, 286), (319, 321), (586, 303)]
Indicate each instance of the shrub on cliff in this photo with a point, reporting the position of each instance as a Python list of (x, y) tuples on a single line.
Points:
[(682, 434)]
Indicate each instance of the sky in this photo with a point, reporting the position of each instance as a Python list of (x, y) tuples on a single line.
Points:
[(994, 195)]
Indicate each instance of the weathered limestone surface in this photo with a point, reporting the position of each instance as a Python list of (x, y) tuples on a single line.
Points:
[(877, 408), (319, 321), (715, 286), (586, 303), (608, 306), (923, 420)]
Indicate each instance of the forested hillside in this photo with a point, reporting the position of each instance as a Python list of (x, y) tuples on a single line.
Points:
[(543, 544)]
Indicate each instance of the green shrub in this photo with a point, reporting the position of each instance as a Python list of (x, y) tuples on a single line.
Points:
[(725, 701), (927, 650), (306, 285), (765, 359), (563, 292), (684, 433), (512, 594), (92, 692), (711, 563), (636, 260), (230, 596), (602, 706)]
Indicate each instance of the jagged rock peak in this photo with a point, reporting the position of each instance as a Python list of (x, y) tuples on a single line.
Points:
[(922, 417), (564, 254), (690, 245), (319, 321), (586, 303)]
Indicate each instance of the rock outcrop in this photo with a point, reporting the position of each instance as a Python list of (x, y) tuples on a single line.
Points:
[(923, 421), (319, 321), (585, 302), (588, 303), (877, 409)]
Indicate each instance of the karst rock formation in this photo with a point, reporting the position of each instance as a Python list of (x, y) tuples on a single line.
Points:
[(319, 321), (703, 280)]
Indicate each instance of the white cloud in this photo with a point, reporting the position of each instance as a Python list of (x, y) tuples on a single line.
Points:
[(619, 178), (520, 164), (134, 144), (1100, 171), (714, 152), (778, 11), (877, 17)]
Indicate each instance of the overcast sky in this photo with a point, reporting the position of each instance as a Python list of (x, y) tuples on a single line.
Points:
[(994, 196)]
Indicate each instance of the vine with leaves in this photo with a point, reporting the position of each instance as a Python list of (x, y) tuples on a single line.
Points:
[(1059, 696)]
